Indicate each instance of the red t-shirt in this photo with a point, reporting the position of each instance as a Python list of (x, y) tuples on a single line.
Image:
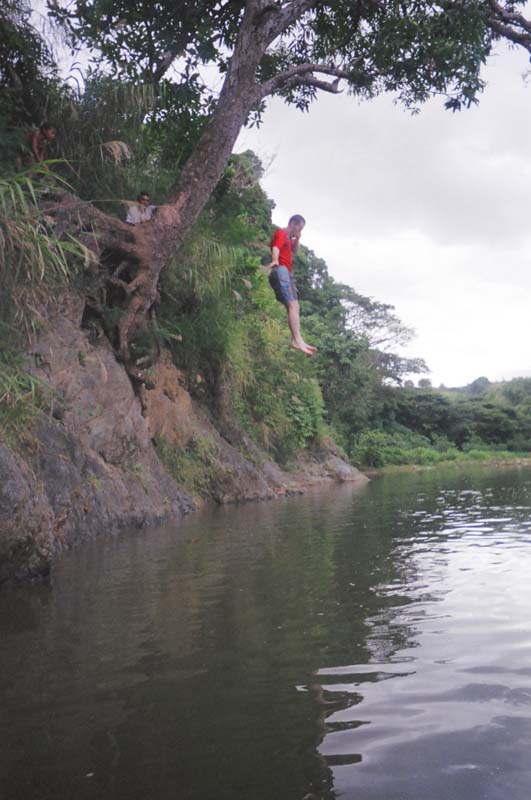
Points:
[(283, 242)]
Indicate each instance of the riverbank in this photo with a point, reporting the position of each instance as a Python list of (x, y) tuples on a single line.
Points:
[(102, 455), (465, 463)]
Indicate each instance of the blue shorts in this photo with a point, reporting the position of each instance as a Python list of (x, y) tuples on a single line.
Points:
[(283, 284)]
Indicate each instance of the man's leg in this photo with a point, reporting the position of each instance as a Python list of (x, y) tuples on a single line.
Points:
[(294, 325), (286, 293)]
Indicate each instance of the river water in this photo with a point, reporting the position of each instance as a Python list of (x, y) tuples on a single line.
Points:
[(367, 645)]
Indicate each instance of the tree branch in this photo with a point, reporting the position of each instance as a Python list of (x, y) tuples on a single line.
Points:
[(292, 11), (506, 32), (510, 25), (316, 83), (274, 19), (254, 6), (168, 57), (291, 76), (510, 17)]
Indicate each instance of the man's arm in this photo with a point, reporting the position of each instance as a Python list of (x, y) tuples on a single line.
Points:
[(295, 243), (275, 252), (276, 243)]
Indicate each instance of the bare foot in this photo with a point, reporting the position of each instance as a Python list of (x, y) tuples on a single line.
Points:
[(306, 346), (303, 347)]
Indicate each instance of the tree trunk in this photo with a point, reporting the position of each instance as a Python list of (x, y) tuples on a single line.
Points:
[(158, 241), (144, 250)]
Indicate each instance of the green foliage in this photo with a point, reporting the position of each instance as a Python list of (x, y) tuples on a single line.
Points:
[(28, 78), (135, 40), (33, 261), (518, 391), (413, 49), (122, 138), (479, 386), (376, 448), (497, 420), (276, 396), (356, 336), (305, 412), (225, 328), (33, 264), (193, 466), (21, 397)]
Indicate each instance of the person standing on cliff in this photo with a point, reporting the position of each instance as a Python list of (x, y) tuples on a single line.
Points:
[(284, 243)]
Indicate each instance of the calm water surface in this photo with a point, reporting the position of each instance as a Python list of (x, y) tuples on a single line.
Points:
[(370, 646)]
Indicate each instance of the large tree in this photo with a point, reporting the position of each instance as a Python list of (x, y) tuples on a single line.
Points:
[(291, 48)]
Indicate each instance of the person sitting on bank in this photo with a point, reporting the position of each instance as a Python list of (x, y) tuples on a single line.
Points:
[(34, 145), (40, 139), (141, 211), (285, 241)]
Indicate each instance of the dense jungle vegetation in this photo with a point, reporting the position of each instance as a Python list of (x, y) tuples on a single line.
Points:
[(216, 314)]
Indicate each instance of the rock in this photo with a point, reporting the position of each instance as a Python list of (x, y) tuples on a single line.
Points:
[(340, 470), (26, 521), (92, 468), (93, 392), (168, 408)]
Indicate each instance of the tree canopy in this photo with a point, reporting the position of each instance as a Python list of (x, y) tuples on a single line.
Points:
[(413, 48)]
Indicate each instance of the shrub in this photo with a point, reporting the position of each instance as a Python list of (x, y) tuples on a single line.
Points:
[(479, 455)]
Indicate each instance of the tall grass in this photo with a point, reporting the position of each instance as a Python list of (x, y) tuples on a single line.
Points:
[(196, 296), (204, 266), (21, 397), (117, 139), (33, 261)]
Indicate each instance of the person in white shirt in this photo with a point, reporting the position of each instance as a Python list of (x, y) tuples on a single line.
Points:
[(141, 211)]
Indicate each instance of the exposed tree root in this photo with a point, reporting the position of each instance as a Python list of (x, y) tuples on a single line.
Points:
[(128, 261)]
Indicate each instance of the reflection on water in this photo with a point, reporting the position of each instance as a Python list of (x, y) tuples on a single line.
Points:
[(369, 646)]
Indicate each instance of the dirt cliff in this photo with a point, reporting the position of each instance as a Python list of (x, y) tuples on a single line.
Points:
[(104, 456)]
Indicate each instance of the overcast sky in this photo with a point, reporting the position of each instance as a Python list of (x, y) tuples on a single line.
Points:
[(430, 213)]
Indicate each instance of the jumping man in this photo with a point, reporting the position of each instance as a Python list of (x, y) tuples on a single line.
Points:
[(285, 241)]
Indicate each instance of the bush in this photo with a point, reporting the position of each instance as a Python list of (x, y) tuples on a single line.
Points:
[(193, 466), (377, 449), (479, 455), (21, 398), (423, 455)]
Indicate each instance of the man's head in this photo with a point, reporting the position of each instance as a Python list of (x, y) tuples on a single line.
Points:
[(144, 199), (295, 225), (48, 131)]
